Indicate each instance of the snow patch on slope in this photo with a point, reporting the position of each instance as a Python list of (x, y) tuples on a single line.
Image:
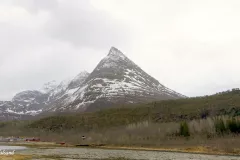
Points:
[(30, 112)]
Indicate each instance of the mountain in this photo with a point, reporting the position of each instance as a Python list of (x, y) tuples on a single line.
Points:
[(63, 93), (115, 81), (23, 105), (26, 102), (32, 102)]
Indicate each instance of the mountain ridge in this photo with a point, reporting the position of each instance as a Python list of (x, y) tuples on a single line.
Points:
[(115, 80)]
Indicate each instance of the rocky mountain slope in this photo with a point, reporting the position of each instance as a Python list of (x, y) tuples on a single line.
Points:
[(115, 81)]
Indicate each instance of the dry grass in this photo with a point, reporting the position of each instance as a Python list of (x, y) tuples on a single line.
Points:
[(196, 149), (119, 158), (203, 136), (202, 133), (15, 157)]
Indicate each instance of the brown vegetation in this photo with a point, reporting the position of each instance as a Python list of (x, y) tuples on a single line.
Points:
[(202, 122)]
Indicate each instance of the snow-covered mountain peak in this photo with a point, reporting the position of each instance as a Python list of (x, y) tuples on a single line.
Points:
[(113, 59), (115, 54), (116, 80)]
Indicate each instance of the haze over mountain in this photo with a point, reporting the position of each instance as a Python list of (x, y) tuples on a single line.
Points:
[(115, 81)]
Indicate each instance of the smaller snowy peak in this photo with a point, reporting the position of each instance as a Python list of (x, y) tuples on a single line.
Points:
[(71, 82), (26, 96), (64, 83), (49, 86), (61, 87), (81, 75), (63, 92), (78, 80)]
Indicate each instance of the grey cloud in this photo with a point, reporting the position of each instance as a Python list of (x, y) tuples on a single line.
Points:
[(34, 6), (75, 38), (86, 27), (188, 46)]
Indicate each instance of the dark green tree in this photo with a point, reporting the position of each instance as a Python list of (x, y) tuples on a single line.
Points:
[(184, 130), (220, 126)]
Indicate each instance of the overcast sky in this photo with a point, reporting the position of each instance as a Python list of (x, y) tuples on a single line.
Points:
[(191, 46)]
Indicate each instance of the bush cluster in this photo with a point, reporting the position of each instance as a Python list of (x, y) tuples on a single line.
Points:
[(232, 125)]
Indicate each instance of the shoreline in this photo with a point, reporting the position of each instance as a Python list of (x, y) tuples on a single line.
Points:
[(190, 150)]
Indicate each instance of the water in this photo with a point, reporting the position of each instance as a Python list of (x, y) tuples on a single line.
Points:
[(12, 148), (93, 154)]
